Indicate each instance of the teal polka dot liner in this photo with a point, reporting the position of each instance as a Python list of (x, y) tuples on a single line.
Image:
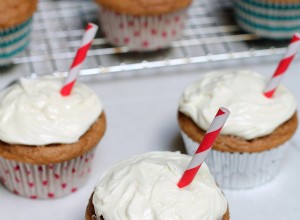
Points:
[(268, 20), (13, 41)]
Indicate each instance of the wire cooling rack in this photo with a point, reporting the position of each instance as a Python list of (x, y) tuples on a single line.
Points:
[(211, 34)]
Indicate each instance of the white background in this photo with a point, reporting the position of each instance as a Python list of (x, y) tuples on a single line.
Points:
[(141, 117)]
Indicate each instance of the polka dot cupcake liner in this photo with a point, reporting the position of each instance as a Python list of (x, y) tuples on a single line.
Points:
[(13, 41), (142, 33), (267, 19), (46, 181), (240, 170)]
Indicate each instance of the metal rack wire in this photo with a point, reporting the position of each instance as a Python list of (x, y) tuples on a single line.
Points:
[(210, 35)]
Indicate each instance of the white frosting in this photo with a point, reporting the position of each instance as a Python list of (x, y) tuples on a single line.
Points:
[(145, 188), (252, 114), (32, 112)]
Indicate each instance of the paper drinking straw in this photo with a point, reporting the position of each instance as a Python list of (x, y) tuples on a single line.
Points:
[(282, 66), (204, 147), (86, 42)]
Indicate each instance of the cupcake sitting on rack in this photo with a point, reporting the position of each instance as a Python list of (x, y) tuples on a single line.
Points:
[(15, 27), (142, 25), (273, 19)]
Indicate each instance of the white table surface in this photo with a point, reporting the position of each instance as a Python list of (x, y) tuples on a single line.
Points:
[(141, 117)]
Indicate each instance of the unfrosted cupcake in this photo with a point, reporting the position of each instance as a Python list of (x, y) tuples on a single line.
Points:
[(275, 19), (47, 141), (252, 143), (145, 187), (15, 27), (142, 25)]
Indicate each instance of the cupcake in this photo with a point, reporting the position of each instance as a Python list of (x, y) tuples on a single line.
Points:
[(145, 187), (15, 27), (47, 141), (254, 139), (142, 25), (275, 19)]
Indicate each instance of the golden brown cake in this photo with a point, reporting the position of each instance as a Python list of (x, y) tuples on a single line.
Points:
[(144, 7), (55, 153), (90, 212), (230, 143), (15, 12)]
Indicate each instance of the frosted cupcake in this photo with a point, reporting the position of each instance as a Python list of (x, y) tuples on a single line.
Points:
[(47, 141), (145, 187), (142, 25), (252, 143), (275, 19), (15, 27)]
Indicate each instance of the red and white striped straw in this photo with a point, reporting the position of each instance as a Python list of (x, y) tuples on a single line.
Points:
[(282, 66), (204, 147), (88, 37)]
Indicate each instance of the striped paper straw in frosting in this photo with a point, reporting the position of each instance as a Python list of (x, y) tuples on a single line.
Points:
[(88, 37), (204, 147), (282, 66)]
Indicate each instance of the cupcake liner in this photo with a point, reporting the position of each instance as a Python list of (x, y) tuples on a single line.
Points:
[(266, 19), (142, 33), (13, 41), (240, 170), (45, 181)]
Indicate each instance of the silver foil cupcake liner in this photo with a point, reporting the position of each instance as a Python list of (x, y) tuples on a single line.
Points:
[(142, 33), (240, 170), (46, 181)]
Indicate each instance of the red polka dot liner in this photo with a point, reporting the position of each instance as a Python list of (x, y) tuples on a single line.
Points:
[(142, 33), (46, 181)]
